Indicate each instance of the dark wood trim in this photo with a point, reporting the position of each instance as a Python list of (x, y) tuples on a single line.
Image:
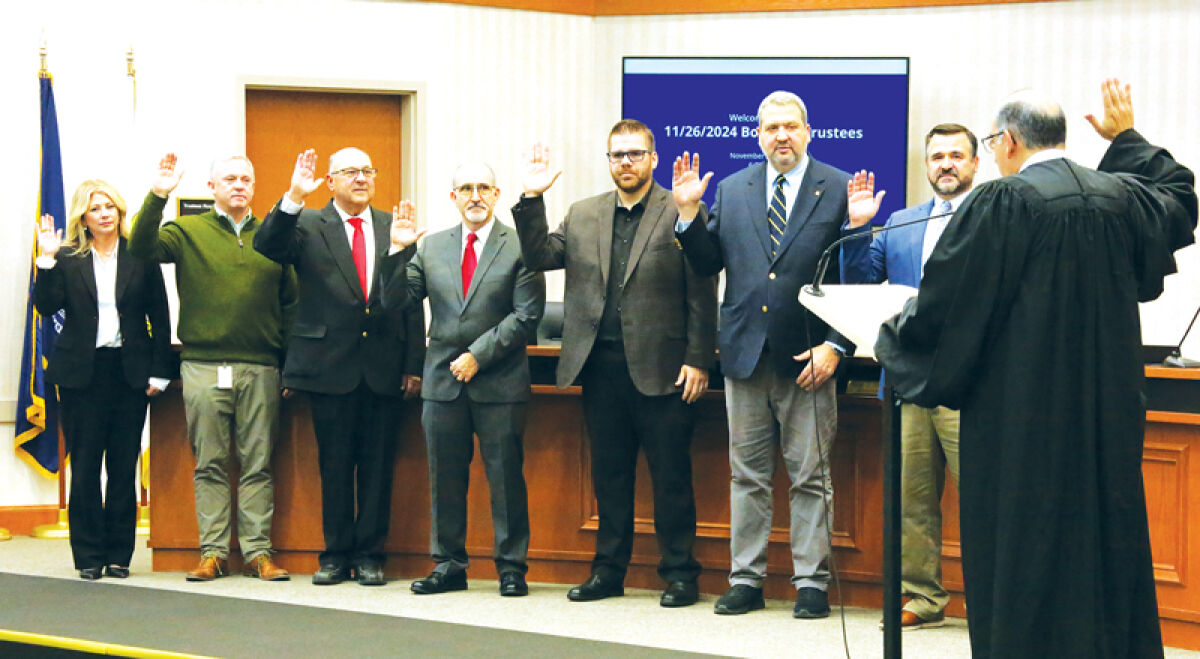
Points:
[(665, 7), (1170, 373)]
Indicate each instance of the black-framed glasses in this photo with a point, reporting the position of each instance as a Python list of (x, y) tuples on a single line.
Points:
[(636, 155), (353, 172), (989, 142), (468, 189)]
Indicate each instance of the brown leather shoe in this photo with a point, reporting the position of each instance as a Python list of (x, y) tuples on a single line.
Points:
[(264, 568), (210, 568), (910, 621)]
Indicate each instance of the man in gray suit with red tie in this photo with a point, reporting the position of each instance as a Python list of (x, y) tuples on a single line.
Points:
[(354, 358), (485, 305), (639, 328)]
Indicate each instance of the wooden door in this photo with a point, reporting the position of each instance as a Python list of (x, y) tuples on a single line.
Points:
[(282, 123)]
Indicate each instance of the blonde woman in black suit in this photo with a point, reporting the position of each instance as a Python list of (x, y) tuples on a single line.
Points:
[(111, 354)]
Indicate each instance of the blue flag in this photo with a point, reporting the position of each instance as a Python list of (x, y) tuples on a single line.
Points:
[(37, 402)]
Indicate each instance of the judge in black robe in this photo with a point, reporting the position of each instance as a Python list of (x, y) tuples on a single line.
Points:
[(1027, 321)]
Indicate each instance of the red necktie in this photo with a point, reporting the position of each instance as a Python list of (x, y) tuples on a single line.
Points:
[(359, 250), (469, 262)]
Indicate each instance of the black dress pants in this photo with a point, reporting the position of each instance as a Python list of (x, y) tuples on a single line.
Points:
[(620, 421), (102, 424), (356, 450)]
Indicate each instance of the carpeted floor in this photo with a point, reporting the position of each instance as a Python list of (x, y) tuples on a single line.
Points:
[(243, 617), (217, 626)]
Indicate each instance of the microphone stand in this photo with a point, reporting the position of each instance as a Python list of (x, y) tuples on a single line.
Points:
[(1176, 358), (891, 463)]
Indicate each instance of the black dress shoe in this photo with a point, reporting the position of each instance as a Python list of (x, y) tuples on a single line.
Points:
[(440, 583), (741, 598), (329, 575), (116, 571), (811, 603), (512, 584), (91, 573), (680, 593), (596, 588), (370, 575)]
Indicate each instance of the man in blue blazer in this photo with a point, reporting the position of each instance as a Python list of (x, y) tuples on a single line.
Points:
[(767, 229), (484, 306), (929, 437)]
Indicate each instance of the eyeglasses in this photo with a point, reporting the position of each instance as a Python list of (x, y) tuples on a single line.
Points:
[(615, 157), (469, 189), (353, 172), (990, 141)]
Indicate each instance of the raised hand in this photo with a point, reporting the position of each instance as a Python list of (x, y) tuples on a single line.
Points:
[(1118, 110), (862, 202), (404, 225), (687, 186), (167, 176), (49, 239), (304, 177), (538, 176)]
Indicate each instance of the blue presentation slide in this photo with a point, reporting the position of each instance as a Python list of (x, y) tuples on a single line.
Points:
[(857, 108)]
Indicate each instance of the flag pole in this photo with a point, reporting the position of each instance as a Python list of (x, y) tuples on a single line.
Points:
[(59, 529), (143, 517)]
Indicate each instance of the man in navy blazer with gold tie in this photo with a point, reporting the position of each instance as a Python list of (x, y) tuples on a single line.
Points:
[(767, 228)]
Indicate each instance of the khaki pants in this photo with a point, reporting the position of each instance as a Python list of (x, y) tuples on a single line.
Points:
[(928, 444), (244, 417)]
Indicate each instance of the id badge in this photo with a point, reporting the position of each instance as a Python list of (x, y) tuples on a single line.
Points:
[(225, 377)]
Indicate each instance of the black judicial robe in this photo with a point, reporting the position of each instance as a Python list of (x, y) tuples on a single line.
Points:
[(1027, 321)]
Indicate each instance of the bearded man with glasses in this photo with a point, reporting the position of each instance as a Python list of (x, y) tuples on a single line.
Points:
[(639, 330), (354, 358)]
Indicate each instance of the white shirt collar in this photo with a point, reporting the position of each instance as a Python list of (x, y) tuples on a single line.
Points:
[(1043, 156), (955, 201), (365, 215), (481, 235), (793, 177)]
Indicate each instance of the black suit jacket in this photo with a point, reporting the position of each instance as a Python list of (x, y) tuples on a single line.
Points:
[(71, 286), (339, 339)]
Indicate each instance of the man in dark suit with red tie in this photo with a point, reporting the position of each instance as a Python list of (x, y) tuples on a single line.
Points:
[(355, 359)]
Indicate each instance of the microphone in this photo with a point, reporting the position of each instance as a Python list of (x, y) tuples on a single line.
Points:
[(1176, 358), (814, 289)]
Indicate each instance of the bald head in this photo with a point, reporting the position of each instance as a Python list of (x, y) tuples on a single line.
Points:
[(1033, 118), (348, 157), (473, 172)]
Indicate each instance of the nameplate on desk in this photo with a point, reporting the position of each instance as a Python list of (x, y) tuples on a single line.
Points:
[(193, 206)]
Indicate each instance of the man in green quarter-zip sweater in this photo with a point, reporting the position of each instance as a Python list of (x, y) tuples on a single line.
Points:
[(235, 306)]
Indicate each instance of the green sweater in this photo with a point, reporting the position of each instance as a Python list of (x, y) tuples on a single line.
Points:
[(234, 303)]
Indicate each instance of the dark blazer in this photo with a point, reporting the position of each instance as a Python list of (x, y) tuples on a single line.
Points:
[(494, 322), (338, 339), (668, 312), (71, 286), (761, 306)]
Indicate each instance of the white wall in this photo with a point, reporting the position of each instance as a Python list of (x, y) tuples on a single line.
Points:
[(495, 80)]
